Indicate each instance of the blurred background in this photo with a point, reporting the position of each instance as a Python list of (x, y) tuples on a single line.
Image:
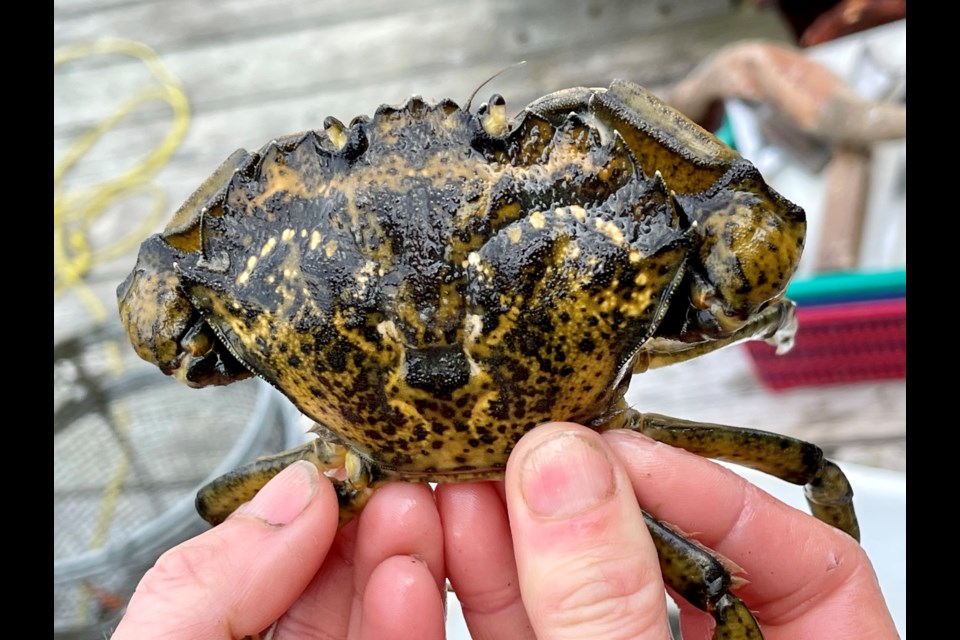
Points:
[(151, 95)]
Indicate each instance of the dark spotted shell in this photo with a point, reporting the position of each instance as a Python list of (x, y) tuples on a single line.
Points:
[(430, 287)]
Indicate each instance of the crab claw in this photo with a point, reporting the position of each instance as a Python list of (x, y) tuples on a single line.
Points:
[(750, 243), (165, 328)]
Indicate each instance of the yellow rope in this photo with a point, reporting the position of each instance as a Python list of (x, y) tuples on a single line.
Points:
[(75, 212)]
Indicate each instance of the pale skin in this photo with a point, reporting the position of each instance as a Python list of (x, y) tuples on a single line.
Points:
[(558, 550)]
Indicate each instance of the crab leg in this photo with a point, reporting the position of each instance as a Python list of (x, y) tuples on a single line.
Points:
[(352, 478), (690, 159), (703, 581), (827, 489), (777, 325)]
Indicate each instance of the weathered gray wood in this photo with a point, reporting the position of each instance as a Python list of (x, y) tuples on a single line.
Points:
[(173, 24), (218, 126), (277, 65)]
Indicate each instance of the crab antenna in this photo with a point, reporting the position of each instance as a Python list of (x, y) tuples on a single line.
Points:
[(487, 81)]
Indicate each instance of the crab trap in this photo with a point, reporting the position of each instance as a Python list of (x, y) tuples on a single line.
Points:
[(130, 449)]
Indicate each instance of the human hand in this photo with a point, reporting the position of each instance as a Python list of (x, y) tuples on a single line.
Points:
[(576, 560), (587, 571), (280, 558)]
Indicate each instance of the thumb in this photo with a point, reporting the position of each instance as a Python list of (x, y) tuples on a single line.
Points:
[(587, 565), (238, 578)]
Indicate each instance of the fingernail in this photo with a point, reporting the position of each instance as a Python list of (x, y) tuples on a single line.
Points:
[(286, 496), (565, 476)]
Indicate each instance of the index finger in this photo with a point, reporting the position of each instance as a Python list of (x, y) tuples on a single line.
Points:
[(803, 575)]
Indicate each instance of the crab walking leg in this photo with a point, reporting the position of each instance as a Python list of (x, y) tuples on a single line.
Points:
[(662, 138), (777, 325), (352, 478), (827, 489), (703, 581)]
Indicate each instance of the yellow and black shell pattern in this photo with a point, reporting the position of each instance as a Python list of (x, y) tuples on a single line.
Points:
[(424, 288)]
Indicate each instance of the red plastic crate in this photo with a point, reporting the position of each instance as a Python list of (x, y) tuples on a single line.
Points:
[(839, 343)]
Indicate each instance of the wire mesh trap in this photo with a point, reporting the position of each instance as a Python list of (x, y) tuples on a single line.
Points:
[(130, 450)]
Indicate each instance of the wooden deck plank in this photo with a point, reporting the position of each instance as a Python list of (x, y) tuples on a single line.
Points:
[(175, 24), (219, 125), (276, 66)]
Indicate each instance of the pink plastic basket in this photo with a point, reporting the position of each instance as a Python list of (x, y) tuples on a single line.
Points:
[(839, 343)]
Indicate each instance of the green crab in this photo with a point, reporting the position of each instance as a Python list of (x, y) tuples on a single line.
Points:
[(431, 283)]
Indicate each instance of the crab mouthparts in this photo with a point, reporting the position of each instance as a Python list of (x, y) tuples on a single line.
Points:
[(204, 359)]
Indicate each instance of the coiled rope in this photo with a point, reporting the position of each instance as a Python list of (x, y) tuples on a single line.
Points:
[(75, 211)]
